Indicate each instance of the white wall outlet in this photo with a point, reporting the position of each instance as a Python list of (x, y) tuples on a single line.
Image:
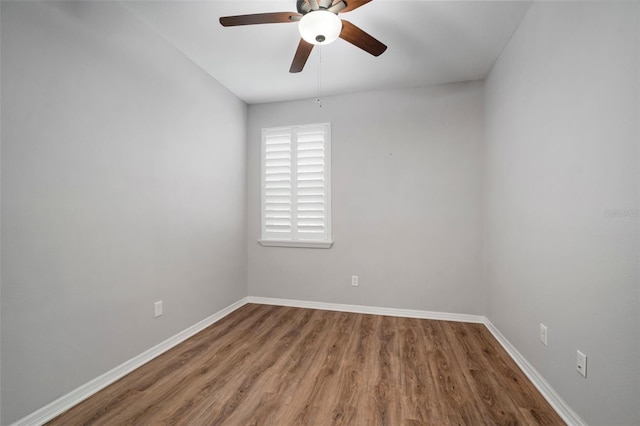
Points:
[(543, 334), (581, 364), (157, 309), (354, 280)]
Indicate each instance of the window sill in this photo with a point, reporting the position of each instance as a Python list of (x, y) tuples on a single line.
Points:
[(297, 244)]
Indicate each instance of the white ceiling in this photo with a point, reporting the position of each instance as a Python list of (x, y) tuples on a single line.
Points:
[(429, 42)]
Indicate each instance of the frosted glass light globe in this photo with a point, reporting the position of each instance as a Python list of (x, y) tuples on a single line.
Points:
[(320, 27)]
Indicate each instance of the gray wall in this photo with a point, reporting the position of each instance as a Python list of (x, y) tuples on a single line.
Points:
[(123, 183), (561, 138), (407, 202)]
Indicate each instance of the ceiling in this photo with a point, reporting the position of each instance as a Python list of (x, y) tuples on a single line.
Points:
[(429, 42)]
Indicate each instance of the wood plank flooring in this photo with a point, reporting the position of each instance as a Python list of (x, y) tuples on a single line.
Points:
[(269, 365)]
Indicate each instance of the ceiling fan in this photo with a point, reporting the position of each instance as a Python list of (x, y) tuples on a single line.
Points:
[(318, 23)]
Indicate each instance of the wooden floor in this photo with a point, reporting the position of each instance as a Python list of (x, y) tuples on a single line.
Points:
[(287, 366)]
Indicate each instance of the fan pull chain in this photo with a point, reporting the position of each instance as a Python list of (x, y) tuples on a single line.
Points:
[(318, 100)]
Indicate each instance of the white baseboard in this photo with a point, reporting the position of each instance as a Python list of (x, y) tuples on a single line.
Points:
[(78, 395), (359, 309), (564, 411)]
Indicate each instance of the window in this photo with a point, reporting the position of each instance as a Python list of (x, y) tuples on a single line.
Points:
[(296, 199)]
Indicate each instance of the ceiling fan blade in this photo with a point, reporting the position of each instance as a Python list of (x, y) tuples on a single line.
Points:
[(301, 56), (260, 18), (337, 7), (359, 38), (354, 4)]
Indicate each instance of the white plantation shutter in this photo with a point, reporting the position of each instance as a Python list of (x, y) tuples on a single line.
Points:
[(296, 184), (277, 188)]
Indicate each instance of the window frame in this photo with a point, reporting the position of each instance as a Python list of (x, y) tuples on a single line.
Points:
[(293, 240)]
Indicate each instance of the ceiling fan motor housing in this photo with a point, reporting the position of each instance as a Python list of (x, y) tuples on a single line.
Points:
[(302, 6)]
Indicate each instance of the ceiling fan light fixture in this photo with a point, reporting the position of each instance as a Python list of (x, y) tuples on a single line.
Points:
[(320, 27)]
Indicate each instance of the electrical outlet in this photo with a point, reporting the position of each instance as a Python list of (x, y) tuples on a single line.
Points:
[(543, 334), (581, 364), (354, 280), (157, 309)]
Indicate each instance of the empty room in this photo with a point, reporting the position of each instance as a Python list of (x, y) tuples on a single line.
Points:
[(320, 212)]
